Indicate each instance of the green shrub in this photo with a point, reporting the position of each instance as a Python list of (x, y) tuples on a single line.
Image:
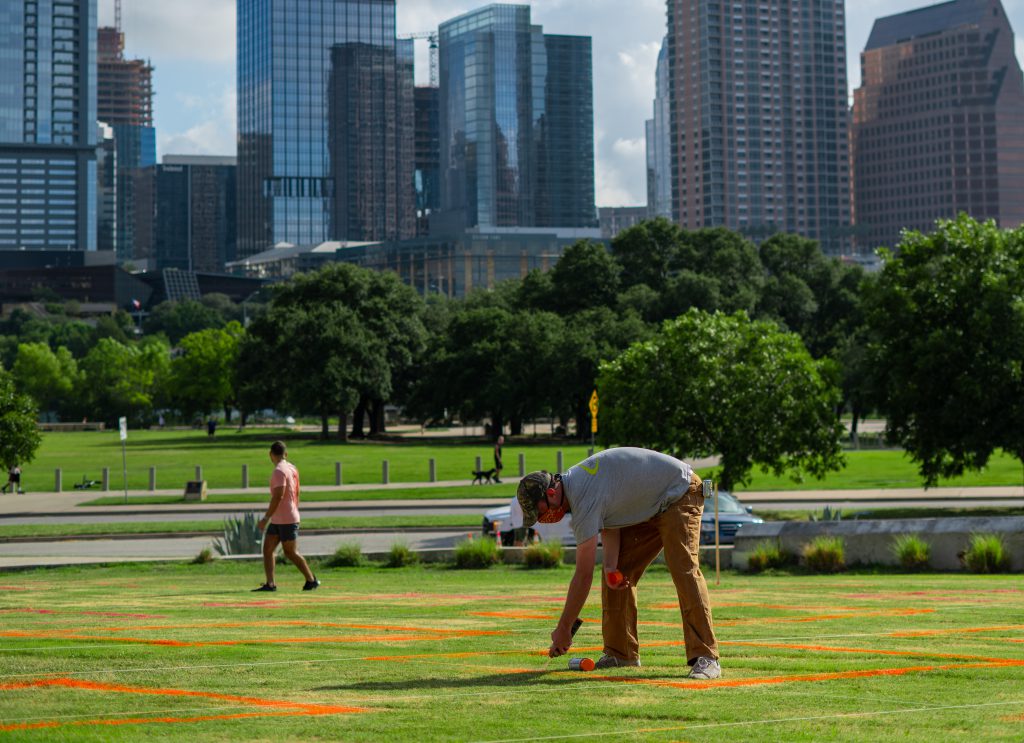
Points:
[(987, 553), (242, 536), (769, 555), (825, 554), (543, 555), (401, 556), (477, 553), (911, 551), (348, 555), (205, 555)]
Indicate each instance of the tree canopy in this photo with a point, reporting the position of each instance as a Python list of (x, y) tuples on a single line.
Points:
[(19, 435)]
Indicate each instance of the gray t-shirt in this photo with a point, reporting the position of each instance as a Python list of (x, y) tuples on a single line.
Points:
[(621, 487)]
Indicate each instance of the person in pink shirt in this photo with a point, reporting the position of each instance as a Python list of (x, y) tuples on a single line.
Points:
[(283, 515)]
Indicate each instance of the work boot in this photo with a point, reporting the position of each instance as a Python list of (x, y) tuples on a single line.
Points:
[(705, 669), (610, 661)]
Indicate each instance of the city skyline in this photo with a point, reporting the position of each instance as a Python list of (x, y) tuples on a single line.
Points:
[(194, 79)]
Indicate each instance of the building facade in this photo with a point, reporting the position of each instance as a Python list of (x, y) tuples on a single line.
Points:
[(659, 157), (187, 215), (325, 132), (516, 123), (48, 176), (125, 103), (427, 176), (759, 117), (938, 122)]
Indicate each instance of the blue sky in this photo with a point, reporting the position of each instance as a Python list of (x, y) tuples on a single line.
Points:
[(191, 43)]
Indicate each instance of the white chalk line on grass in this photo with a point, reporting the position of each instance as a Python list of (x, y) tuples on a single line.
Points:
[(750, 723)]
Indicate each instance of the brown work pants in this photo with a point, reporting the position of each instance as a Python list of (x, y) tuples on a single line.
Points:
[(677, 531)]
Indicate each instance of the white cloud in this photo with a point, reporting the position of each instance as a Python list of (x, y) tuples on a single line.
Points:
[(213, 134)]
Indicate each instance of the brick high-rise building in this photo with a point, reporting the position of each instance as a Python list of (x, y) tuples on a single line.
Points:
[(938, 122), (759, 117)]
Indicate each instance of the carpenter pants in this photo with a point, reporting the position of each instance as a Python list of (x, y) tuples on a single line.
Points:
[(677, 531)]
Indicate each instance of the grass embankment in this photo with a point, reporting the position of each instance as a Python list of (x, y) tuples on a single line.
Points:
[(185, 653), (460, 492)]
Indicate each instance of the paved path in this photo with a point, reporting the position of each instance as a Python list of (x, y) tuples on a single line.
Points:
[(64, 508)]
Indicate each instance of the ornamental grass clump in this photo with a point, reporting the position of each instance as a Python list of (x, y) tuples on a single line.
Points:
[(543, 555), (825, 554), (401, 556), (347, 555), (769, 555), (476, 554), (987, 553), (911, 551)]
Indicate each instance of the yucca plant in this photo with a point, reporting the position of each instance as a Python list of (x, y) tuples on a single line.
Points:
[(242, 536)]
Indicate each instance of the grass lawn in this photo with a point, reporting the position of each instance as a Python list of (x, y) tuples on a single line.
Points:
[(176, 454), (505, 490), (181, 653)]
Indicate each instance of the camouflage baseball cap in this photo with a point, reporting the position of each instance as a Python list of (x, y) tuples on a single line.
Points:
[(531, 489)]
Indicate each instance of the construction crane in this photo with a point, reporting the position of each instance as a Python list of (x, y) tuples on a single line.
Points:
[(431, 37), (117, 15)]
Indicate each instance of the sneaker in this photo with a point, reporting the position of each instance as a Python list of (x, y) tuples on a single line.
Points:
[(705, 669), (311, 585), (610, 661), (265, 587)]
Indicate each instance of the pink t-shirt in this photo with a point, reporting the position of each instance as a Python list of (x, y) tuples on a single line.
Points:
[(287, 476)]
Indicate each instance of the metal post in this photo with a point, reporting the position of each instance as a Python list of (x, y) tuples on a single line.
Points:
[(152, 478), (337, 473), (245, 477), (386, 478), (718, 545), (522, 465), (106, 479), (57, 480), (479, 466), (558, 466), (199, 473), (124, 468), (433, 470)]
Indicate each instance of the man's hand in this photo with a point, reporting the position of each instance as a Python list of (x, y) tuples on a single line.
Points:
[(616, 580), (561, 641), (262, 523)]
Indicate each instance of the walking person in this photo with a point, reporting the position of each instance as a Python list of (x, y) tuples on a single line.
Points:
[(13, 480), (497, 458), (640, 502), (283, 515)]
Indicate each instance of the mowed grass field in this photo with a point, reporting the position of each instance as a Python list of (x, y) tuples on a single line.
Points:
[(186, 652), (176, 454)]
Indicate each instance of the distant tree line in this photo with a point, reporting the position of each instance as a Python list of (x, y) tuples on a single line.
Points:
[(699, 342)]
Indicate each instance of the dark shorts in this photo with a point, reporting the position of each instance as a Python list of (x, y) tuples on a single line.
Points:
[(284, 532)]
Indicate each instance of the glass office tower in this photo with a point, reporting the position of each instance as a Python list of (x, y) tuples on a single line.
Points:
[(325, 123), (48, 177), (516, 121)]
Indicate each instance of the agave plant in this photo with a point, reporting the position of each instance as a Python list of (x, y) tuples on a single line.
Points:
[(242, 536)]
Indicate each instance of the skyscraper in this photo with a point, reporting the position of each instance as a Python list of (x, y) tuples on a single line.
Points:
[(427, 160), (48, 175), (325, 132), (759, 120), (125, 103), (517, 123), (659, 156), (938, 122)]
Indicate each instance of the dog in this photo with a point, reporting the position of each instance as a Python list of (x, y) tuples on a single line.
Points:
[(490, 476)]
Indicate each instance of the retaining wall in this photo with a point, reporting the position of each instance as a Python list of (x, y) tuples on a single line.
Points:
[(870, 542)]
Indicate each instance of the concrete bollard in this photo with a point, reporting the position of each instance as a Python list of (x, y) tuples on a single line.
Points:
[(478, 465), (522, 465), (199, 473), (385, 475), (337, 473), (245, 477), (558, 465), (57, 480), (433, 470), (152, 478), (106, 479), (590, 452)]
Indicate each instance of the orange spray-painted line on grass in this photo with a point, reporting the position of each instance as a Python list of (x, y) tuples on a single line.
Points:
[(278, 708), (871, 651), (958, 630)]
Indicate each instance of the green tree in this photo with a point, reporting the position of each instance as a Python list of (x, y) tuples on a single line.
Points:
[(201, 376), (722, 384), (948, 316), (123, 379), (46, 376), (585, 276), (19, 434), (646, 251), (178, 319)]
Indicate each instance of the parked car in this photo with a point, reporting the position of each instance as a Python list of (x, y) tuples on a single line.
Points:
[(732, 515)]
